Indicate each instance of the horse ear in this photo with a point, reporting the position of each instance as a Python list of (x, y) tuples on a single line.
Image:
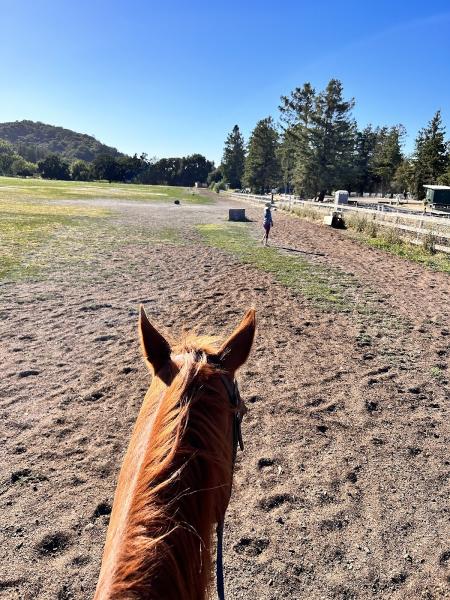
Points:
[(234, 352), (154, 346)]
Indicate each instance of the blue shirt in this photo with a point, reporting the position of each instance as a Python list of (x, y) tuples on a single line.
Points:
[(267, 217)]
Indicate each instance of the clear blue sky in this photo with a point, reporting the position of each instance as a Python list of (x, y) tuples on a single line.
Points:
[(172, 78)]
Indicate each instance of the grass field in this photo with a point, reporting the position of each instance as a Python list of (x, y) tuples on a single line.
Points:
[(12, 188), (38, 217), (25, 226)]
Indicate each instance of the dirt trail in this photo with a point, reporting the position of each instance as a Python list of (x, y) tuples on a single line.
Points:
[(342, 491)]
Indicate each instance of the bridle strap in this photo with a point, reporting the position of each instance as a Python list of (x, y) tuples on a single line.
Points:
[(235, 399)]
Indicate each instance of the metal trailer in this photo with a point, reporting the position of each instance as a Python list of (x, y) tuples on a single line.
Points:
[(438, 197)]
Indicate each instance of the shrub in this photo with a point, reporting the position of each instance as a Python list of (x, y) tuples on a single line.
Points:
[(307, 213), (220, 185), (360, 223), (391, 235), (371, 229), (429, 243), (23, 168)]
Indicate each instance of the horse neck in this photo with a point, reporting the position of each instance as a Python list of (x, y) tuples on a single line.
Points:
[(181, 490)]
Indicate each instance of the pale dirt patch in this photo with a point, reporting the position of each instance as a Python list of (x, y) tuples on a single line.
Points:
[(342, 491)]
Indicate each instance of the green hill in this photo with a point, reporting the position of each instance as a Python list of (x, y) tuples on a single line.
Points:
[(35, 140)]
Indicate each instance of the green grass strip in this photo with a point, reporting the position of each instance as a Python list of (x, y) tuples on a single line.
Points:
[(437, 262), (16, 188)]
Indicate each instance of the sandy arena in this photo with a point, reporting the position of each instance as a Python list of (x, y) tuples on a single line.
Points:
[(343, 489)]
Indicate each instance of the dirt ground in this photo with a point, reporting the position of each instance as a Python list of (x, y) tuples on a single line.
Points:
[(343, 489)]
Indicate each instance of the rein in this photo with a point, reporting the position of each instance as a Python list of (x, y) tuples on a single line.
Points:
[(235, 399)]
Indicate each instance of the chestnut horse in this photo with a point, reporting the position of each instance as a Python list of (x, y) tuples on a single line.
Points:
[(176, 477)]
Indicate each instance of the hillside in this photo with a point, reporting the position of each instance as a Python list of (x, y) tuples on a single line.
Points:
[(35, 140)]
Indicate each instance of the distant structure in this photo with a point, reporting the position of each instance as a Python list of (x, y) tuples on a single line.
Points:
[(198, 184), (438, 197), (340, 197), (236, 214)]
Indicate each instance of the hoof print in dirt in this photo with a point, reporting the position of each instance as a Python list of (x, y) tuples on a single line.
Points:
[(29, 373), (251, 547), (415, 389), (105, 338), (399, 578), (26, 476), (94, 396), (102, 510), (371, 406), (444, 559), (81, 560), (333, 524), (264, 463), (254, 398), (52, 544), (65, 593), (272, 502), (22, 475), (322, 428), (128, 370), (414, 451), (352, 477), (94, 307)]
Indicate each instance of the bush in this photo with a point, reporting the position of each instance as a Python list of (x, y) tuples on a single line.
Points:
[(358, 222), (214, 176), (53, 167), (220, 185), (304, 212), (81, 171), (429, 243), (371, 229), (307, 213), (392, 236), (22, 168)]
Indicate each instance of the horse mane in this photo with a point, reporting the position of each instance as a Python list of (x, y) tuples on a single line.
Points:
[(183, 487)]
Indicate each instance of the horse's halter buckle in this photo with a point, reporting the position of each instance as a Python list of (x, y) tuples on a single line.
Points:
[(236, 401)]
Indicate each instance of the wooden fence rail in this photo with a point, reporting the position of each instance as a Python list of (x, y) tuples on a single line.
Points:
[(410, 224)]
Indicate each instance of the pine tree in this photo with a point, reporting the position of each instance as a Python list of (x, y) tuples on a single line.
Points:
[(325, 134), (296, 152), (286, 158), (334, 135), (365, 146), (404, 176), (431, 156), (387, 156), (233, 160), (262, 169)]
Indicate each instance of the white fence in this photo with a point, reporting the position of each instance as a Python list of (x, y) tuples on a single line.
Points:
[(413, 225)]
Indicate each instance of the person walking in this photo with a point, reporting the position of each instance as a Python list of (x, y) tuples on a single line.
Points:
[(267, 223)]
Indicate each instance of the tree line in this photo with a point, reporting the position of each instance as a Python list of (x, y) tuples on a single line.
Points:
[(184, 171), (316, 147)]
